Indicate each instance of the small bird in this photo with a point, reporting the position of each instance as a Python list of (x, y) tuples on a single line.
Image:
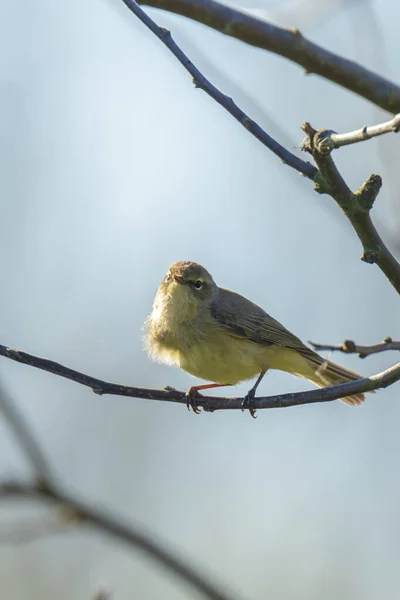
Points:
[(220, 336)]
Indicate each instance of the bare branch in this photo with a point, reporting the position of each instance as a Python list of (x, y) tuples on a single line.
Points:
[(330, 140), (356, 206), (303, 167), (350, 347), (133, 536), (72, 512), (289, 43), (209, 403), (25, 437)]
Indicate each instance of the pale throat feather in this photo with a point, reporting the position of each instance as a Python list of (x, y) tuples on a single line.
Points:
[(170, 325)]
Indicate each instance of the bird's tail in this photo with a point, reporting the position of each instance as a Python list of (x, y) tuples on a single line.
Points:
[(324, 373)]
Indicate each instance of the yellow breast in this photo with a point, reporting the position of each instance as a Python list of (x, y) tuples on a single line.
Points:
[(223, 359)]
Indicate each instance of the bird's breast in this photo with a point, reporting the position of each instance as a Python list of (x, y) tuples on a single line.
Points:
[(221, 358)]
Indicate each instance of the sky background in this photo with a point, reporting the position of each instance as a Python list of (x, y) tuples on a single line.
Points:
[(112, 166)]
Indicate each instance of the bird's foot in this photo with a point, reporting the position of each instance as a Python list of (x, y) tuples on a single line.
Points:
[(191, 403), (248, 403)]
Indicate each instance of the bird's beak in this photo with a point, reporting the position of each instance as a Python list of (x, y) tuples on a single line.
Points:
[(178, 279)]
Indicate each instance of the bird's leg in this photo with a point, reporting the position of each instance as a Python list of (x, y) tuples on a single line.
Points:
[(194, 393), (248, 400)]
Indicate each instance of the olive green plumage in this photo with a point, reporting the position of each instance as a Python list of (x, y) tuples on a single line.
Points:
[(220, 336)]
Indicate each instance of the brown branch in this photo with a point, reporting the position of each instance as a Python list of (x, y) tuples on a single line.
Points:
[(327, 178), (209, 403), (200, 81), (133, 536), (350, 347), (289, 43), (356, 206)]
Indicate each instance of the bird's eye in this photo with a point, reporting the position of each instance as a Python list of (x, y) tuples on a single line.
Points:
[(198, 284), (167, 277)]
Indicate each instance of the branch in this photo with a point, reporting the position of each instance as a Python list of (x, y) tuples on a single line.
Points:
[(199, 81), (25, 437), (350, 347), (72, 511), (330, 140), (209, 403), (288, 43), (117, 529), (356, 206)]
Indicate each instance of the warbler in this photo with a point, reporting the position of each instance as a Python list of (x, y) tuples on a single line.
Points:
[(220, 336)]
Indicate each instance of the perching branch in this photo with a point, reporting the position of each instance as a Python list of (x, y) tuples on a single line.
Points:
[(356, 206), (105, 523), (307, 169), (209, 403), (330, 140), (290, 44), (350, 347)]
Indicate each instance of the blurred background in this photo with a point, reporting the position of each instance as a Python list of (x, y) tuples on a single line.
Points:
[(112, 167)]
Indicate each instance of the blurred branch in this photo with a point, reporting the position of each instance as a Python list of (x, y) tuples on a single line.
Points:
[(102, 594), (225, 101), (25, 437), (72, 511), (350, 347), (356, 206), (117, 529), (209, 403), (331, 140), (289, 43)]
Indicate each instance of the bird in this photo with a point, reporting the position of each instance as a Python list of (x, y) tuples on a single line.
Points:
[(219, 336)]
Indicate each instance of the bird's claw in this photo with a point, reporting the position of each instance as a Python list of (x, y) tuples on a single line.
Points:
[(191, 403), (248, 403)]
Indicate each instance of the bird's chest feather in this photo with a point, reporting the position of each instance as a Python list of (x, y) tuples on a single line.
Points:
[(171, 329), (221, 358)]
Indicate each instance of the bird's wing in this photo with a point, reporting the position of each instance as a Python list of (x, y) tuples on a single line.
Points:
[(242, 318)]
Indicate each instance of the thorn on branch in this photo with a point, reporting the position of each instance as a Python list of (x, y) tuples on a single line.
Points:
[(99, 391), (371, 255), (165, 34), (309, 131)]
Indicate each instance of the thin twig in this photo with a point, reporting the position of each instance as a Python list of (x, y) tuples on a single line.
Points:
[(331, 140), (209, 403), (350, 347), (24, 436), (303, 167), (356, 206), (133, 536), (289, 43)]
